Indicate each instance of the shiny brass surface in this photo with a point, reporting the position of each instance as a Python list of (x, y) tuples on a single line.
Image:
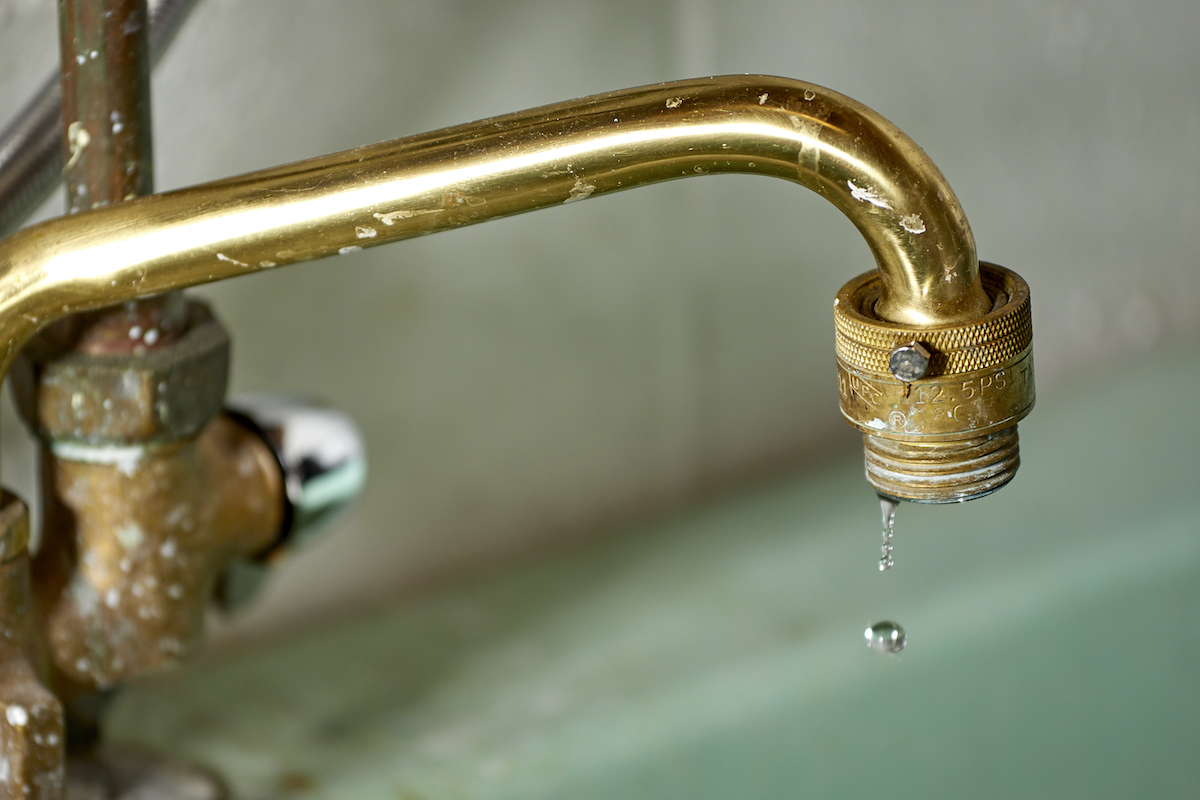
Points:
[(143, 517), (951, 435), (142, 531), (548, 156), (141, 537), (980, 377), (865, 340)]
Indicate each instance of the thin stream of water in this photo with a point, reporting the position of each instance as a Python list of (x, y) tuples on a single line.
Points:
[(888, 507), (887, 636)]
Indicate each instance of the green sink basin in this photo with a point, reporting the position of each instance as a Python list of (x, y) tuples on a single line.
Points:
[(1053, 647)]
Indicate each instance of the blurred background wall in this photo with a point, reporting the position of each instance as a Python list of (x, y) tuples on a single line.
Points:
[(528, 381)]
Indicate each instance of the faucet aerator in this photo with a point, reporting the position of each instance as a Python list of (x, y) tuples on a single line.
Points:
[(942, 472), (951, 435)]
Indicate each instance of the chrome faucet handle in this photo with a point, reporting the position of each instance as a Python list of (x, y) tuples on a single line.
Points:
[(321, 456), (322, 460)]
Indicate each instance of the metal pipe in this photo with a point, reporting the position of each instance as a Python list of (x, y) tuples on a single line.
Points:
[(928, 282), (31, 147), (106, 102), (877, 176), (109, 155)]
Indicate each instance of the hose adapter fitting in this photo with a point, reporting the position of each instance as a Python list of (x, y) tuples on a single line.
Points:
[(938, 406)]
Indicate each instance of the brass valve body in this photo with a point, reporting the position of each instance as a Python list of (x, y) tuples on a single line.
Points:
[(951, 435)]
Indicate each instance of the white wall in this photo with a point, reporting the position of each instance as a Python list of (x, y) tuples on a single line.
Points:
[(533, 377)]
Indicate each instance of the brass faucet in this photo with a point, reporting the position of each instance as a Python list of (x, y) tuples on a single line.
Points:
[(934, 349), (971, 321)]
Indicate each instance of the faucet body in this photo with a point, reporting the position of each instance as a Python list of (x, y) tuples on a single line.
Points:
[(929, 284), (557, 154), (945, 435)]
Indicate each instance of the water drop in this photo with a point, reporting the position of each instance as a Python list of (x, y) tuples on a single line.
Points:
[(888, 506), (886, 637)]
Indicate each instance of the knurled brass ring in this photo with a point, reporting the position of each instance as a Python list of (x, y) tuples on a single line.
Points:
[(864, 342)]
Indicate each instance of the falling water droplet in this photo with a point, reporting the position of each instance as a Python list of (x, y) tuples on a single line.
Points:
[(888, 506), (886, 637)]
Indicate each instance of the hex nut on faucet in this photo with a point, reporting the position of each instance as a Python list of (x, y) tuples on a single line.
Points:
[(158, 396), (909, 362)]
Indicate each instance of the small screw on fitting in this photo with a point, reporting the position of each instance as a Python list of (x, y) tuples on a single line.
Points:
[(909, 362)]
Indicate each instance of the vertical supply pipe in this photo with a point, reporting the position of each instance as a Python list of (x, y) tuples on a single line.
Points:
[(106, 101), (31, 158), (108, 152)]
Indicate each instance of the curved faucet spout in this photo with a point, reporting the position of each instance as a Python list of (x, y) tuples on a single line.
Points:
[(556, 154)]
